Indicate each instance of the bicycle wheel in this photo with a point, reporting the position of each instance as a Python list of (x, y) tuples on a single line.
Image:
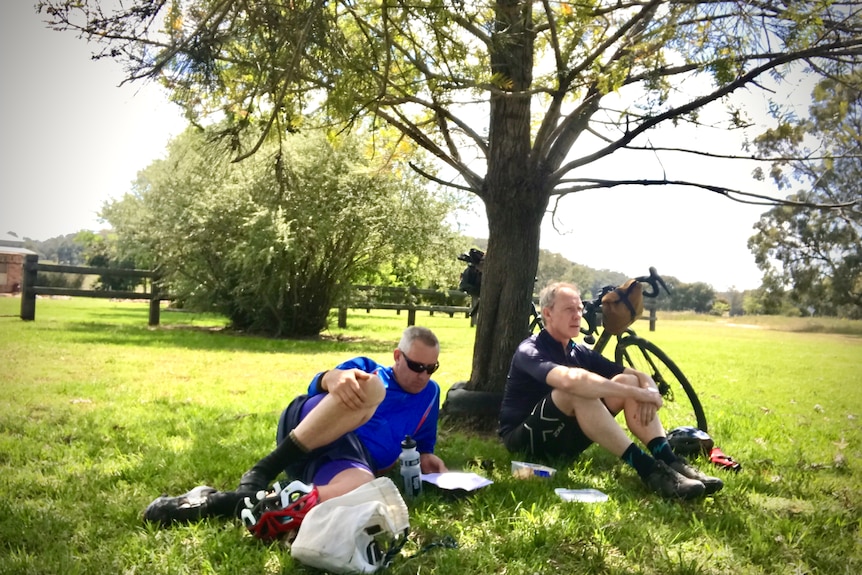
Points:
[(681, 405)]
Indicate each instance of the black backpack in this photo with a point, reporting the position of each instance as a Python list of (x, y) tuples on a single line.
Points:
[(471, 280), (471, 277)]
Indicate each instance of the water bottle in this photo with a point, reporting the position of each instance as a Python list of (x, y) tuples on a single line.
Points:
[(410, 467)]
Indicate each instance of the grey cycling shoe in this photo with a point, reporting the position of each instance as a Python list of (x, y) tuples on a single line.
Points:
[(671, 484)]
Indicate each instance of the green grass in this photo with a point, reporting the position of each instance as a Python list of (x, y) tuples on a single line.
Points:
[(99, 414)]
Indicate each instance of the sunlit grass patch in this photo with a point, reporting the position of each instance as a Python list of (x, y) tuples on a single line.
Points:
[(99, 414)]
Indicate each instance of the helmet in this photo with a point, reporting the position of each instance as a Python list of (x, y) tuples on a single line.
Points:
[(280, 512), (689, 441)]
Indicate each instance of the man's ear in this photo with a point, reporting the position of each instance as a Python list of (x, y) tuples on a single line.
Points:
[(396, 354)]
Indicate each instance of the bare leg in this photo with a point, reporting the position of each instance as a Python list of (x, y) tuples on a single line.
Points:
[(595, 421), (331, 419), (344, 482), (645, 432)]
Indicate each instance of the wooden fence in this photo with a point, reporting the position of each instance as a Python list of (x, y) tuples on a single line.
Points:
[(411, 299), (30, 287), (367, 297)]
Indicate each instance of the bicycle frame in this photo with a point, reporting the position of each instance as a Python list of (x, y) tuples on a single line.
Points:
[(638, 353)]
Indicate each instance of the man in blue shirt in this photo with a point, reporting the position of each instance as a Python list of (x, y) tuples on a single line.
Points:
[(345, 431), (561, 397)]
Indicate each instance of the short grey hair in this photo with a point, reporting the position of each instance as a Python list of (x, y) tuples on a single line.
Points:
[(415, 332), (548, 295)]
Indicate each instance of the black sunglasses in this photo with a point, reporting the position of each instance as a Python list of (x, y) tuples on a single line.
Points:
[(420, 367)]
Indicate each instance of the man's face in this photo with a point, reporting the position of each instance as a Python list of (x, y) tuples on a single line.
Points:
[(563, 318), (419, 356)]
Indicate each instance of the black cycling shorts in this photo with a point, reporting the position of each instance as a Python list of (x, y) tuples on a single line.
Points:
[(548, 433)]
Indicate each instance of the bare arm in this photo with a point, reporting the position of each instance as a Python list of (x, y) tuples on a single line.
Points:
[(589, 385), (644, 380)]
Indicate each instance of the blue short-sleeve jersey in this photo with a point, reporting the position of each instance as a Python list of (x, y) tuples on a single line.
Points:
[(400, 414), (535, 357)]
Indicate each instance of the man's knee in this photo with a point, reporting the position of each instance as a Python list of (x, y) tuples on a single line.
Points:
[(376, 392), (626, 379)]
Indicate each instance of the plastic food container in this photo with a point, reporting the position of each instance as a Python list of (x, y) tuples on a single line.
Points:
[(525, 470), (582, 495)]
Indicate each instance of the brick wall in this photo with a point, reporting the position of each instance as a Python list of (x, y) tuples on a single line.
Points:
[(13, 266)]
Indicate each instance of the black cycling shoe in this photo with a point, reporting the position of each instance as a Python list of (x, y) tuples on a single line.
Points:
[(671, 484), (712, 484), (185, 508)]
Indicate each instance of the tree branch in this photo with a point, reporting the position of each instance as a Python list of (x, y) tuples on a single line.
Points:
[(435, 179), (776, 61), (729, 193)]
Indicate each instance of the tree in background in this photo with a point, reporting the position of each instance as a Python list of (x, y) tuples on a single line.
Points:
[(60, 249), (275, 241), (516, 99), (101, 250), (817, 254), (555, 267), (697, 297)]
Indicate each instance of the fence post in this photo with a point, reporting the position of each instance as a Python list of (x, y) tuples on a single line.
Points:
[(652, 317), (155, 301), (342, 317), (28, 287), (411, 316)]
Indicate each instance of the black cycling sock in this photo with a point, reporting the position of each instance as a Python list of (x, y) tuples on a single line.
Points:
[(660, 449), (288, 451), (223, 504), (637, 458)]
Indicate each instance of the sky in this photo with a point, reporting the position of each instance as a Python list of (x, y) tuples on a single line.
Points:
[(74, 139)]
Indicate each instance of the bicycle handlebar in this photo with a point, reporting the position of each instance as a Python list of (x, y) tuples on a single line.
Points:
[(591, 308), (654, 281)]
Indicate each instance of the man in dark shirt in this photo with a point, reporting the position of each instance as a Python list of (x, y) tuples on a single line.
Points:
[(561, 397)]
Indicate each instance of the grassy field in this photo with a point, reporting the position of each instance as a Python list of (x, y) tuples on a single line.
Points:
[(99, 414)]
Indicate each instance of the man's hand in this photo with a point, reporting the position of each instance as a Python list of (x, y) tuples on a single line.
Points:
[(430, 463), (649, 401), (350, 386), (644, 392)]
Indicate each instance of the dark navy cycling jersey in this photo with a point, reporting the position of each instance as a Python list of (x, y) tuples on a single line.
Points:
[(535, 357), (401, 413)]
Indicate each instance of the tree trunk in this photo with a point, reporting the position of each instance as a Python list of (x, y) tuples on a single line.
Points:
[(516, 196), (507, 287)]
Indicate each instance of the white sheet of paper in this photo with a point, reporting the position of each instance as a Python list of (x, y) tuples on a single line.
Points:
[(456, 480)]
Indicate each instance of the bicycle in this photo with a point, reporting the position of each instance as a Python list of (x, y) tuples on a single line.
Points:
[(632, 350), (641, 354)]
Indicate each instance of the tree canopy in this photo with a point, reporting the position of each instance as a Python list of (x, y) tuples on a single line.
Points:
[(515, 99), (817, 254), (274, 242)]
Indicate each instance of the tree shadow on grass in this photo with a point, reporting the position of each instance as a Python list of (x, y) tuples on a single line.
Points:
[(95, 472), (215, 338)]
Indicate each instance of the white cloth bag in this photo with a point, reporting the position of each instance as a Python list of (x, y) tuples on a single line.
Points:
[(351, 533)]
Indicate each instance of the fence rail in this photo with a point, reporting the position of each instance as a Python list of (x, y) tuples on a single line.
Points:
[(402, 298), (30, 287), (367, 297)]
